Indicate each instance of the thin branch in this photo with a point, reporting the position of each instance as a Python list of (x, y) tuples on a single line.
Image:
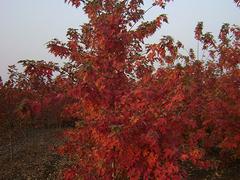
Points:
[(143, 15), (198, 50)]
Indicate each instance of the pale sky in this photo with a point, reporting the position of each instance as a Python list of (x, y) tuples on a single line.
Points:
[(27, 25)]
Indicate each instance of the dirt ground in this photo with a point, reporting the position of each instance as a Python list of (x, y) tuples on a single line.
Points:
[(34, 159)]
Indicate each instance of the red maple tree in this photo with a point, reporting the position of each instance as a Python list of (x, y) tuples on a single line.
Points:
[(142, 122)]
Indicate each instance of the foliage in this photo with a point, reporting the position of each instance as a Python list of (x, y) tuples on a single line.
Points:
[(142, 111), (140, 122)]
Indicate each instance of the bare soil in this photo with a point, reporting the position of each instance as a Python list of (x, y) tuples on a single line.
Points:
[(35, 159)]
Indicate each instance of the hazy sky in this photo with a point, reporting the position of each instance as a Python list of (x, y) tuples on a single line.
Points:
[(26, 25)]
